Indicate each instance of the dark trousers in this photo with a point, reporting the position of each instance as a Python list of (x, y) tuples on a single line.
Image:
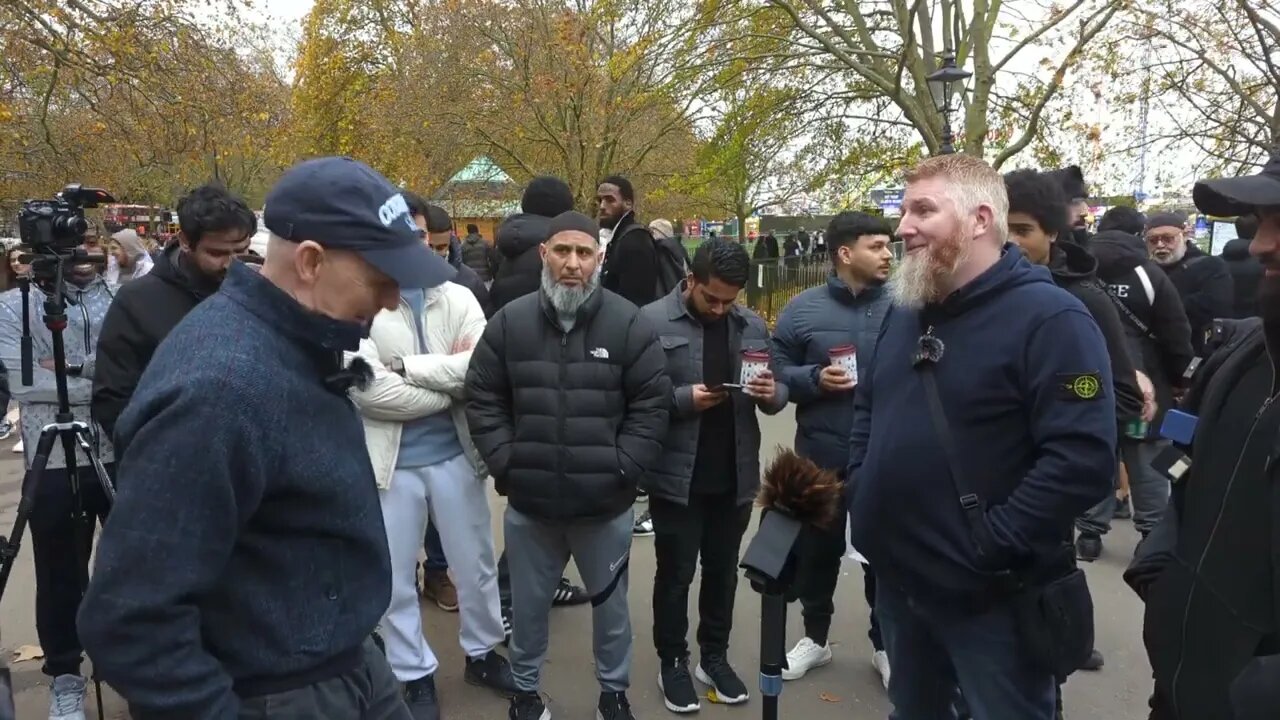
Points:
[(821, 554), (369, 691), (60, 547), (936, 655), (710, 526)]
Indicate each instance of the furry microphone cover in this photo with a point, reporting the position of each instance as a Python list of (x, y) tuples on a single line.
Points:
[(796, 487)]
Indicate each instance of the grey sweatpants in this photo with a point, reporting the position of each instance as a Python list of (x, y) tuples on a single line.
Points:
[(538, 553)]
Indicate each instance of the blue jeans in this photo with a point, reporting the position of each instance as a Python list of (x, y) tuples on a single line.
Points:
[(936, 656), (436, 560)]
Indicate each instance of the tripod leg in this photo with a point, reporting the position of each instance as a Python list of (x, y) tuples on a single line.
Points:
[(773, 641), (30, 481)]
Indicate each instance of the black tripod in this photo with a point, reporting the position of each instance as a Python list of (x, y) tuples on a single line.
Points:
[(65, 427), (773, 646)]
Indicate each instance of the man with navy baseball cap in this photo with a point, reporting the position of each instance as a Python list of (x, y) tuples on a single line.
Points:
[(244, 566)]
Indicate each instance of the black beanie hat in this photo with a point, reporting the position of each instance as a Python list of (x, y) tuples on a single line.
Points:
[(547, 196), (1166, 219), (573, 221)]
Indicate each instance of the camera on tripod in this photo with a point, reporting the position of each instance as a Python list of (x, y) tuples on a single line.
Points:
[(56, 229)]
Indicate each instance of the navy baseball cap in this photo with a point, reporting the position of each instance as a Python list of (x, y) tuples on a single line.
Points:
[(344, 204)]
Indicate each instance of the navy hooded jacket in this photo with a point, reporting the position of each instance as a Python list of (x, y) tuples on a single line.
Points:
[(1026, 385), (817, 320)]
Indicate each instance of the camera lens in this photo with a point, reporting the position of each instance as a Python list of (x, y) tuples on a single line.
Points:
[(71, 226)]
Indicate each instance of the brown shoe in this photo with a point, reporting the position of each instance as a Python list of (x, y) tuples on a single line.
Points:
[(438, 588)]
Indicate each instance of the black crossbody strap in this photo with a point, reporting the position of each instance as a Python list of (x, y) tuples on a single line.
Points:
[(1129, 315), (970, 503)]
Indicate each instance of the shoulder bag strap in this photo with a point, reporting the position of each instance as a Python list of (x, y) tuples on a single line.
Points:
[(970, 503), (1129, 314)]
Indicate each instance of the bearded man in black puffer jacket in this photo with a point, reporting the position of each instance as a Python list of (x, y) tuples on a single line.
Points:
[(568, 400)]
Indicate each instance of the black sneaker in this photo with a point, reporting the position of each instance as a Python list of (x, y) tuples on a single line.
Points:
[(528, 706), (1088, 547), (420, 696), (492, 671), (726, 686), (569, 594), (676, 685), (1094, 662), (614, 706)]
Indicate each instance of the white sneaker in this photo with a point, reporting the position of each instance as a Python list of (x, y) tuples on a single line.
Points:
[(17, 447), (66, 698), (880, 660), (805, 656)]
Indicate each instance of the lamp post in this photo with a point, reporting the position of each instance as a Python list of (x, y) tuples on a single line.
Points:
[(942, 84)]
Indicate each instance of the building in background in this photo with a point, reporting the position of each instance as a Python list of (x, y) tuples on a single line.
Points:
[(481, 194)]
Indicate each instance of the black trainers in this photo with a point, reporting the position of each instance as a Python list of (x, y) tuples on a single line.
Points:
[(528, 706), (1123, 511), (726, 686), (676, 685), (569, 594), (1088, 547), (1095, 661), (614, 706), (420, 696), (492, 671)]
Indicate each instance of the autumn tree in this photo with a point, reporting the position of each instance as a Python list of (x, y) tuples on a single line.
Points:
[(891, 46), (1212, 70)]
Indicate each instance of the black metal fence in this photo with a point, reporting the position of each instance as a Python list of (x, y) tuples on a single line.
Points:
[(773, 283)]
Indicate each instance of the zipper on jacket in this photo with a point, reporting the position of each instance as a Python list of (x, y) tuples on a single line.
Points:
[(1195, 578), (560, 412)]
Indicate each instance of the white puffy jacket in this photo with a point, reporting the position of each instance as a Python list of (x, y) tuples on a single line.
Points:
[(431, 383)]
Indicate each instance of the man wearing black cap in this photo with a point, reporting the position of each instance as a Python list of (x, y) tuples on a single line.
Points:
[(1207, 572), (520, 237), (1203, 281), (247, 584), (567, 403)]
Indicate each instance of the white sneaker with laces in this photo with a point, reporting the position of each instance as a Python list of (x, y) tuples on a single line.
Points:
[(66, 698), (805, 656), (643, 526), (880, 660)]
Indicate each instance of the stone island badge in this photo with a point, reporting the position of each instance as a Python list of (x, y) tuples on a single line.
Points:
[(1080, 386)]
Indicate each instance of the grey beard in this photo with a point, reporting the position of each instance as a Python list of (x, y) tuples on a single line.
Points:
[(566, 300), (914, 283)]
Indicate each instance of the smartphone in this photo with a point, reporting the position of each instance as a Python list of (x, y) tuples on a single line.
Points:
[(725, 386)]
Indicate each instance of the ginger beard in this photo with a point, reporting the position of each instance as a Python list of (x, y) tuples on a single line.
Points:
[(924, 276)]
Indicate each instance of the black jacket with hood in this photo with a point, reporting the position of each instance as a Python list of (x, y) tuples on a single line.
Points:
[(468, 278), (520, 269), (1246, 273), (142, 314), (631, 262), (1161, 347), (1074, 270), (1208, 571), (1204, 284)]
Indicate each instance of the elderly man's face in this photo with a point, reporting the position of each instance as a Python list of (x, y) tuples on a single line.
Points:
[(1167, 244), (342, 286)]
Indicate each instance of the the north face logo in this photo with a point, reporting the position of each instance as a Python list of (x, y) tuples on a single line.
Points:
[(600, 354)]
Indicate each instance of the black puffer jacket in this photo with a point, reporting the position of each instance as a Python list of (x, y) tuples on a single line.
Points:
[(520, 267), (569, 422), (1161, 348), (1246, 273)]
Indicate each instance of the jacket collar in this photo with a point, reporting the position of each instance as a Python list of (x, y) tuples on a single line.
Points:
[(263, 299), (678, 308), (845, 294)]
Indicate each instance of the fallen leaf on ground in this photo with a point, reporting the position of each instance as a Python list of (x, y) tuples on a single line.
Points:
[(828, 697), (27, 652)]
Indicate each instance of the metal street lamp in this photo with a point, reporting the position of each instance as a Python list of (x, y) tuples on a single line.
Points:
[(943, 84)]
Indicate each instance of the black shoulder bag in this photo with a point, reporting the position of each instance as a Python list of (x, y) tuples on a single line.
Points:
[(1053, 609)]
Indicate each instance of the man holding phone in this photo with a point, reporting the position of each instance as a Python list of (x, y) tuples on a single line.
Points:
[(701, 491)]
